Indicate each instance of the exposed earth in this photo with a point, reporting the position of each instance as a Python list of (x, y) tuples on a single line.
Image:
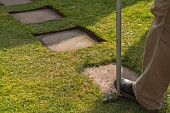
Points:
[(104, 76)]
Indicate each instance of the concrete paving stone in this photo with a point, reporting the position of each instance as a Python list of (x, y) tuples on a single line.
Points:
[(66, 40), (14, 2), (36, 16)]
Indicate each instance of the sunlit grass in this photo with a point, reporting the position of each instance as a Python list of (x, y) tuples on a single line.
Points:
[(32, 79)]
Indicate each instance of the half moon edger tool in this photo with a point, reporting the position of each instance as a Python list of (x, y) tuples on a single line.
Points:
[(118, 52)]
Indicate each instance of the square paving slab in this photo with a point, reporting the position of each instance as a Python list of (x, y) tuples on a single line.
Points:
[(14, 2), (36, 16), (105, 75), (66, 40)]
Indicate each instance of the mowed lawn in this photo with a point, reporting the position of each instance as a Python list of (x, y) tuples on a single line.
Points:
[(33, 79)]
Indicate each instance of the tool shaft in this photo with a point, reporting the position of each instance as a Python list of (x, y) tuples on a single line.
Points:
[(118, 44)]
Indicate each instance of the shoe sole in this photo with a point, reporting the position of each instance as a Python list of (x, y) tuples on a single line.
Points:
[(128, 96)]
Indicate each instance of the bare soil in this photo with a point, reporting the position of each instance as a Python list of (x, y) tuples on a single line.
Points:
[(66, 40), (14, 2), (105, 75), (36, 16)]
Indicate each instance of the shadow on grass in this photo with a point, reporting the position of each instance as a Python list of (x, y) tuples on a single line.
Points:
[(84, 12), (13, 34), (125, 105), (133, 56), (121, 106), (78, 12)]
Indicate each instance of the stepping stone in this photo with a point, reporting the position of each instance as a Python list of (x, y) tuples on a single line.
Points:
[(67, 40), (14, 2), (36, 16), (105, 75)]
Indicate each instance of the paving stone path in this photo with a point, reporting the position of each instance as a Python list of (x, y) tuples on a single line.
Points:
[(59, 41), (68, 40)]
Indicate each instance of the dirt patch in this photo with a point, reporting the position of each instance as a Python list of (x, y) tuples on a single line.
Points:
[(104, 76), (14, 2), (36, 16), (66, 40)]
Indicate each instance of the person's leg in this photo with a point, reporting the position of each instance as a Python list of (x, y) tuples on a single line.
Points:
[(149, 89)]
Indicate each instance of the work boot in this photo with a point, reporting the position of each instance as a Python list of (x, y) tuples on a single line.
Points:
[(126, 88), (126, 91)]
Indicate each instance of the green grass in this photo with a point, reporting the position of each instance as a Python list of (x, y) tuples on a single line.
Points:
[(32, 79)]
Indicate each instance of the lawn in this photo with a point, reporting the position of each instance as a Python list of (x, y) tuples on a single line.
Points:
[(33, 79)]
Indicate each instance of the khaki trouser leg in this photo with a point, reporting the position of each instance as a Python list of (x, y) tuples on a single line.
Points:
[(151, 86)]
